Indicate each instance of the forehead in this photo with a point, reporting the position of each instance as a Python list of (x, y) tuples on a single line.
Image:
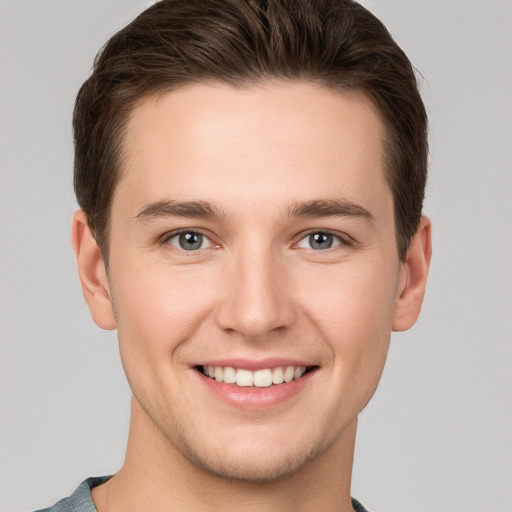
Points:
[(270, 142)]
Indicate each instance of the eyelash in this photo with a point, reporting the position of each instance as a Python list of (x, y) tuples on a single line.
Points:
[(342, 240), (165, 240)]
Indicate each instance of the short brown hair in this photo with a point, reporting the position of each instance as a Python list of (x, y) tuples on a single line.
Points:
[(336, 43)]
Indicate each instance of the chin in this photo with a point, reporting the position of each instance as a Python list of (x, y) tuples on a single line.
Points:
[(252, 469), (248, 462)]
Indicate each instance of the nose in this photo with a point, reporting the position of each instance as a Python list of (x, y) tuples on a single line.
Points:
[(258, 296)]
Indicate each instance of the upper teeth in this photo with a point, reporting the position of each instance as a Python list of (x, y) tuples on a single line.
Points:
[(259, 378)]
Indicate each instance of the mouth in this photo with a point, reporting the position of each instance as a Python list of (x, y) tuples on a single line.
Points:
[(262, 378)]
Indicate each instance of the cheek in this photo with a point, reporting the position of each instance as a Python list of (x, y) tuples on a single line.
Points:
[(354, 313), (158, 309), (358, 297)]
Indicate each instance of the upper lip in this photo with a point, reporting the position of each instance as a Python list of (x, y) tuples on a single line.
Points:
[(253, 365)]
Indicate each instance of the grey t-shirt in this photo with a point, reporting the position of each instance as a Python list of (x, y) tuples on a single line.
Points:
[(81, 500)]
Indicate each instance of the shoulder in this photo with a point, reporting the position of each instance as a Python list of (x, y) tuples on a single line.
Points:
[(80, 500), (358, 507)]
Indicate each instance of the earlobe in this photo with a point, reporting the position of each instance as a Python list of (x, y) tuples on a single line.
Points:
[(91, 269), (413, 278)]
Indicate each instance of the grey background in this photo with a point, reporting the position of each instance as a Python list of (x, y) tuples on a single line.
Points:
[(438, 434)]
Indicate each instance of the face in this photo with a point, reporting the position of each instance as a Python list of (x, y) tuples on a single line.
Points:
[(252, 242)]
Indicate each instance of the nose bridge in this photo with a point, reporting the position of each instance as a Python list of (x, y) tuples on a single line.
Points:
[(256, 302)]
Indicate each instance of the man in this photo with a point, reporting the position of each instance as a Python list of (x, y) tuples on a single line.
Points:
[(251, 177)]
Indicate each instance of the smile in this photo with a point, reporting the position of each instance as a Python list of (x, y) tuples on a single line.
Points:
[(260, 378)]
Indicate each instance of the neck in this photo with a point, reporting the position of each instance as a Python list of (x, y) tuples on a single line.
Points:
[(155, 476)]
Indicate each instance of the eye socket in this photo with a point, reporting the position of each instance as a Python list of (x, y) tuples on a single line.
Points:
[(320, 241), (189, 241)]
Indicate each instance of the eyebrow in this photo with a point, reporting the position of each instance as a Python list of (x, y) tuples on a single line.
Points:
[(167, 208), (207, 210), (329, 208)]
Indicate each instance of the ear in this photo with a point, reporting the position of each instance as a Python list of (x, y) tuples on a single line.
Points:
[(91, 269), (413, 278)]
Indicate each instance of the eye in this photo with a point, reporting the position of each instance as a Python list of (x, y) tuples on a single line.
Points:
[(320, 241), (189, 241)]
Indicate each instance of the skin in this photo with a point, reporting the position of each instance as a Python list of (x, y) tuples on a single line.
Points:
[(255, 289)]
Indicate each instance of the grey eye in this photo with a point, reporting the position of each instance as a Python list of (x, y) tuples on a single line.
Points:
[(189, 241), (319, 241)]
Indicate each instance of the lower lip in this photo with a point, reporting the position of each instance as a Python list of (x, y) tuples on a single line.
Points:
[(254, 397)]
